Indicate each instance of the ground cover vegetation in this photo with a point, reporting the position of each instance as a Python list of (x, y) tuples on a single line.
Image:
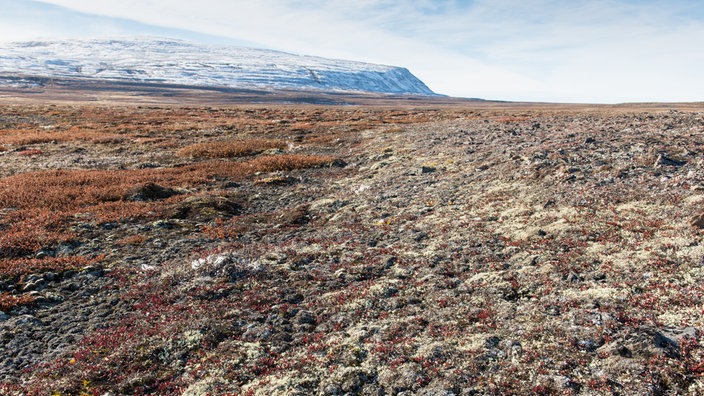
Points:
[(305, 250)]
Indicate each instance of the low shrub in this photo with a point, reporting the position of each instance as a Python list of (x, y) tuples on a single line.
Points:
[(75, 189), (21, 137), (132, 240), (9, 301), (14, 268), (231, 149), (30, 152)]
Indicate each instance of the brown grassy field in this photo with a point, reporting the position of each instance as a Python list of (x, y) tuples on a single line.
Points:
[(440, 248)]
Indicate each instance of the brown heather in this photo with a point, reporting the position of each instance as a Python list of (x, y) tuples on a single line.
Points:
[(16, 268), (74, 190), (45, 202), (8, 301), (31, 136), (230, 149)]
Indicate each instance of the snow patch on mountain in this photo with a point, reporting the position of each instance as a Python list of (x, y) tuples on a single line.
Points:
[(178, 62)]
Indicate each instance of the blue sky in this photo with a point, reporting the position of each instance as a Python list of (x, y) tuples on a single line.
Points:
[(600, 51)]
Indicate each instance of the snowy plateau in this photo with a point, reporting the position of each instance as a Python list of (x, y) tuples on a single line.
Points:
[(166, 61)]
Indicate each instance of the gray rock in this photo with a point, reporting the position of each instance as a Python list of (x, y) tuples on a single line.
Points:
[(427, 169), (669, 340), (34, 285), (51, 276), (27, 321), (305, 317), (663, 160)]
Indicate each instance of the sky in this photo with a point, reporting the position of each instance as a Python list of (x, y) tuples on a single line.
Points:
[(581, 51)]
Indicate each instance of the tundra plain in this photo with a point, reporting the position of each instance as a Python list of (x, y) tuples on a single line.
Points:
[(440, 248)]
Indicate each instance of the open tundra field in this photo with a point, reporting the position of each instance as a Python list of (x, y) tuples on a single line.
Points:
[(452, 249)]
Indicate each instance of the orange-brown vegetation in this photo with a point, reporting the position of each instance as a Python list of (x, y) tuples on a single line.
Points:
[(62, 190), (21, 137), (46, 202), (132, 240), (8, 301), (40, 206), (230, 149), (15, 268), (26, 231), (29, 153)]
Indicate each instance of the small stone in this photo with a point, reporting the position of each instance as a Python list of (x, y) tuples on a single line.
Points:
[(93, 271), (420, 236), (663, 160), (33, 278), (109, 226), (667, 343), (164, 224), (697, 221), (599, 276), (427, 169), (623, 351), (73, 286), (27, 321), (338, 163), (147, 165), (534, 261), (33, 285), (272, 258), (553, 311), (574, 277), (482, 168), (492, 342), (51, 276), (305, 317), (588, 345), (50, 297)]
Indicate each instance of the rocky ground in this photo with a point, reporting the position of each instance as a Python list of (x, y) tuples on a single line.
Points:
[(351, 250)]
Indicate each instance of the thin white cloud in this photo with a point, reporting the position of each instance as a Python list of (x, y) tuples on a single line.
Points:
[(581, 50)]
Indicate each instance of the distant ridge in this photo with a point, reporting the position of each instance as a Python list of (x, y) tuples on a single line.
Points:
[(155, 60)]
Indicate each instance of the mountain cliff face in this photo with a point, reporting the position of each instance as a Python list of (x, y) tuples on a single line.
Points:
[(178, 62)]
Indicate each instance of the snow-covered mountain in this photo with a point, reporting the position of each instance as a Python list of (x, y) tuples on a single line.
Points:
[(154, 60)]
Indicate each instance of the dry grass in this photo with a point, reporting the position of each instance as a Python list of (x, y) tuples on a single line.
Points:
[(15, 268), (73, 190), (21, 137), (132, 240), (46, 203), (26, 231), (30, 152), (230, 149)]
